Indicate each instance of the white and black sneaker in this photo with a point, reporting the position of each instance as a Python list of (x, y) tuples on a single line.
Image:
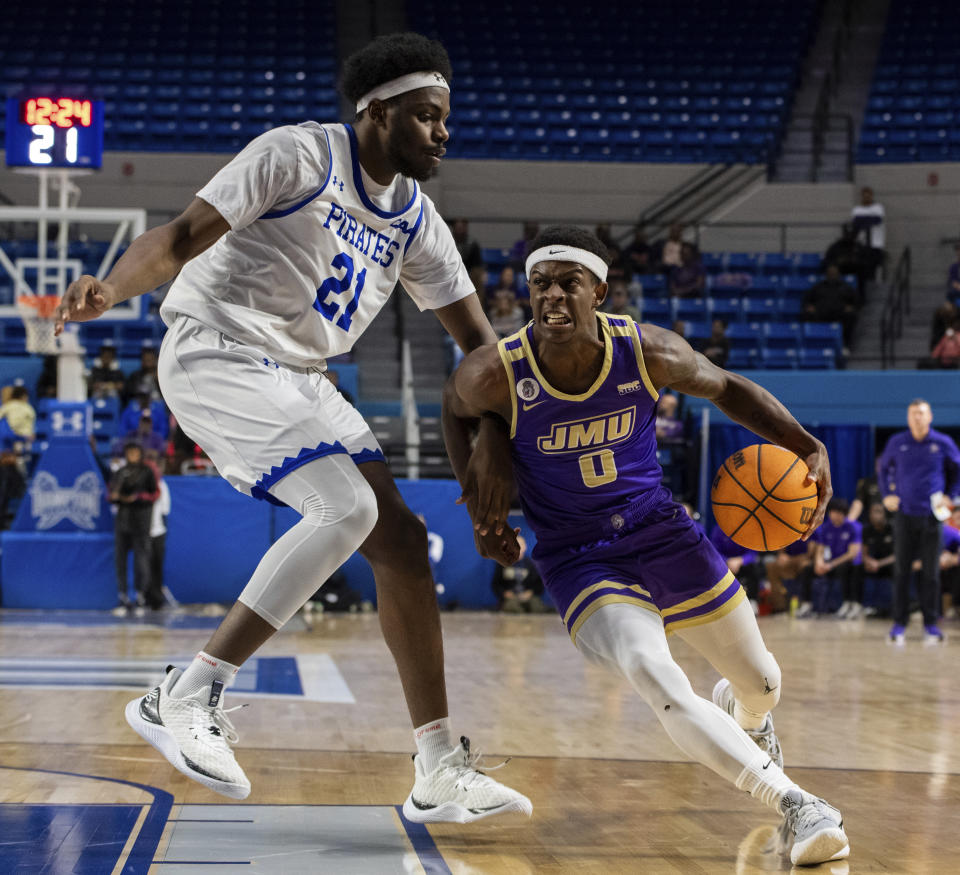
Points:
[(193, 733), (456, 792), (765, 738), (817, 829)]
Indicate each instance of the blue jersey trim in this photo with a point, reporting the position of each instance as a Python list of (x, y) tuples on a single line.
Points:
[(358, 183), (261, 488), (279, 214), (368, 456), (413, 231)]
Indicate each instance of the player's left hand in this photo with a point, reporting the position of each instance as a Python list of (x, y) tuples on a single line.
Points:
[(503, 548), (488, 483), (819, 464)]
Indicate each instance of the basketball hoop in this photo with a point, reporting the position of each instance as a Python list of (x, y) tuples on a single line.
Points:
[(36, 311)]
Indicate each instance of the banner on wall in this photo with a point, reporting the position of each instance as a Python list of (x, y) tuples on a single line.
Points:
[(67, 492)]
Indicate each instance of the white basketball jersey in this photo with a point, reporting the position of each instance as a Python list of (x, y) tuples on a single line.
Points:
[(312, 255)]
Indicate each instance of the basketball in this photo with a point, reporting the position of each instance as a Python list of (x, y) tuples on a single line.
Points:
[(759, 497)]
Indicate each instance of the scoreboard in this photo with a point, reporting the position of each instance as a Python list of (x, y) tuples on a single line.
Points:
[(51, 131)]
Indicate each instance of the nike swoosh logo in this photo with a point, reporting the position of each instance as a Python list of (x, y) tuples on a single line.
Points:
[(768, 763), (554, 251), (535, 403)]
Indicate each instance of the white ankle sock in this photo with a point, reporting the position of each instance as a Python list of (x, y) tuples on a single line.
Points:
[(764, 780), (201, 673), (433, 742)]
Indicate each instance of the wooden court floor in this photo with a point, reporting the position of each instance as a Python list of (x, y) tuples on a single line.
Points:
[(872, 727)]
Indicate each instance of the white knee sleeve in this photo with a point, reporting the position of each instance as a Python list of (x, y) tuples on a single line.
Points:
[(339, 510)]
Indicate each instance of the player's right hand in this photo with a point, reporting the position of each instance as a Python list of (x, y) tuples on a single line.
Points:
[(85, 299)]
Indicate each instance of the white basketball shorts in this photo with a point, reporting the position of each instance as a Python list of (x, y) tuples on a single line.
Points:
[(256, 418)]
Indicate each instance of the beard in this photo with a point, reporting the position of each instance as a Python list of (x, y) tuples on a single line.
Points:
[(399, 152)]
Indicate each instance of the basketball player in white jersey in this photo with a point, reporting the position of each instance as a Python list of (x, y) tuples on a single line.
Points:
[(284, 258)]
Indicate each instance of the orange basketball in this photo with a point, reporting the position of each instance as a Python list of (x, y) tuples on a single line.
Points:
[(759, 497)]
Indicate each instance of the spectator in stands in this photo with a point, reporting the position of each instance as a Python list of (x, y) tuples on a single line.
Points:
[(689, 278), (145, 377), (12, 482), (521, 249), (944, 317), (950, 563), (837, 545), (868, 493), (519, 587), (638, 252), (618, 301), (717, 346), (670, 249), (19, 413), (851, 256), (132, 414), (832, 300), (105, 379), (787, 571), (133, 489), (947, 351), (919, 473), (953, 279), (470, 252), (868, 219), (669, 426), (47, 381), (155, 595), (144, 435), (506, 315), (334, 378), (618, 268), (878, 559)]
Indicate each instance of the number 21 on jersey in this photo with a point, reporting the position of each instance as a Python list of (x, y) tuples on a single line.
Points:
[(329, 303)]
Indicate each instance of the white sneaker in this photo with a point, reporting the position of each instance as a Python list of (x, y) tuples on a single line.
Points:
[(194, 735), (764, 737), (804, 611), (844, 610), (855, 612), (455, 791), (817, 829)]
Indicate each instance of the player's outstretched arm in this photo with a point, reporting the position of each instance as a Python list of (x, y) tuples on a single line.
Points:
[(152, 259), (672, 362), (478, 391)]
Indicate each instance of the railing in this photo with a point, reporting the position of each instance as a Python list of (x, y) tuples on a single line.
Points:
[(897, 303), (772, 234)]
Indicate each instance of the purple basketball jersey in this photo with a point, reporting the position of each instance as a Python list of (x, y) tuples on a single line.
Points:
[(584, 463)]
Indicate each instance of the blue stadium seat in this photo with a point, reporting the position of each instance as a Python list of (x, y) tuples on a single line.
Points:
[(823, 335), (691, 308), (760, 309), (657, 310), (743, 358), (817, 359), (727, 309), (779, 359), (744, 335), (780, 335)]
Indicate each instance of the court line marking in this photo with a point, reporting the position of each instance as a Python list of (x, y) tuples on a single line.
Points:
[(145, 845), (424, 846), (131, 840)]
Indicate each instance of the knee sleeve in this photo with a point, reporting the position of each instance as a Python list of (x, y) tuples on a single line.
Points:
[(339, 510)]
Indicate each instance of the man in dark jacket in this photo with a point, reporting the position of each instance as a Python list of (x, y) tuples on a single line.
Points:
[(832, 300), (133, 489)]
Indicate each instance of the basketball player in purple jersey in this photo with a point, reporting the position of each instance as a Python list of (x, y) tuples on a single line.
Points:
[(281, 261), (622, 561)]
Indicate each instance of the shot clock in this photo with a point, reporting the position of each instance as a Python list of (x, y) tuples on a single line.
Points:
[(54, 131)]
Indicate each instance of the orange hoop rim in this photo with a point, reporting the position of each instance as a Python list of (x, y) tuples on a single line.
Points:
[(41, 305)]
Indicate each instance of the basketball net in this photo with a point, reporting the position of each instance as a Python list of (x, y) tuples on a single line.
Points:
[(36, 311)]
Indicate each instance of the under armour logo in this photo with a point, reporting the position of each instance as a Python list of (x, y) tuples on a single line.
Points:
[(338, 183), (270, 364), (439, 78)]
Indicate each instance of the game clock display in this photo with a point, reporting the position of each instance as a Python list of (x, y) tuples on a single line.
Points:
[(50, 131)]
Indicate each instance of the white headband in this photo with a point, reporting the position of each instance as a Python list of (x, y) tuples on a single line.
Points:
[(559, 252), (410, 82)]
